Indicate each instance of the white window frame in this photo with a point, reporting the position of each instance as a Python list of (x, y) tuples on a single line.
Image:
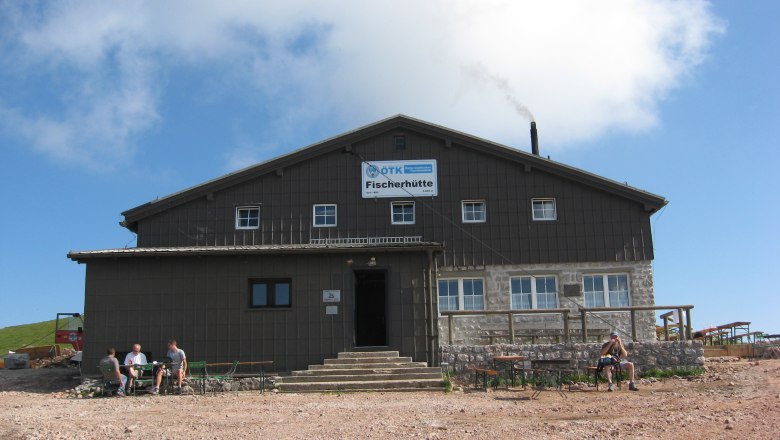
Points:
[(325, 205), (463, 211), (607, 297), (544, 200), (534, 293), (402, 203), (247, 208), (461, 296)]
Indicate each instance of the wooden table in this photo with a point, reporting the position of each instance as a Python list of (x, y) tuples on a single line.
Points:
[(502, 363)]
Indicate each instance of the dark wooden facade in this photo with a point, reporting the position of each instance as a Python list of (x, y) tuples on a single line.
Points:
[(202, 299), (595, 223)]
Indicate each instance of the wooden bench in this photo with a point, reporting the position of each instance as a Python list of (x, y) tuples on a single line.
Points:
[(484, 373)]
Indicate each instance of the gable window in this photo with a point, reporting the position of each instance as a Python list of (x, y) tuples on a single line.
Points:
[(271, 293), (534, 292), (462, 294), (402, 213), (615, 295), (248, 217), (324, 215), (400, 142), (544, 209), (474, 211)]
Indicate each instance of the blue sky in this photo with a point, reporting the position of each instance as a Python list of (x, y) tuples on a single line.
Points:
[(104, 107)]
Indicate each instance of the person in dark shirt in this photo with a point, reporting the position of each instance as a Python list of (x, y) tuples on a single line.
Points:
[(109, 366), (613, 352)]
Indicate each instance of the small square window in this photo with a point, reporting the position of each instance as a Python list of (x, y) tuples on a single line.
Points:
[(402, 213), (400, 142), (324, 215), (270, 293), (474, 211), (248, 217), (544, 209)]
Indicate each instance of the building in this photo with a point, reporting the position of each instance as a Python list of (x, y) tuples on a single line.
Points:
[(359, 240)]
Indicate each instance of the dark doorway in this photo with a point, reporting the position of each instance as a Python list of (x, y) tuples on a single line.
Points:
[(370, 289)]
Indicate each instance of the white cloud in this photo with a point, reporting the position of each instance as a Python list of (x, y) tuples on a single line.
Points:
[(581, 67)]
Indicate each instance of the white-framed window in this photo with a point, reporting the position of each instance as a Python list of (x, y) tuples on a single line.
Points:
[(544, 209), (461, 294), (606, 290), (248, 217), (533, 292), (402, 213), (324, 215), (474, 211)]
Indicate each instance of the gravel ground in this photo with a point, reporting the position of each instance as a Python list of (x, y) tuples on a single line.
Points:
[(737, 399)]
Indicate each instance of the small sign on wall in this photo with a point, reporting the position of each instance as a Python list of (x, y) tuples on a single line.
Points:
[(331, 296), (331, 310)]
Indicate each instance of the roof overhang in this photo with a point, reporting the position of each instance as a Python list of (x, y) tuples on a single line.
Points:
[(84, 256)]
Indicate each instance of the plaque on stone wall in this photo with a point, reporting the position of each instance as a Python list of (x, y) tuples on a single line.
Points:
[(570, 290)]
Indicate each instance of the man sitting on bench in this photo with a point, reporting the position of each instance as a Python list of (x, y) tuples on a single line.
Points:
[(611, 353)]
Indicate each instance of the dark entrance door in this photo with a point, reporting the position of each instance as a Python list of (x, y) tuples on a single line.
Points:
[(370, 297)]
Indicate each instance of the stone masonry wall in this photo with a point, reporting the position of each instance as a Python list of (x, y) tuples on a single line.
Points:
[(471, 329), (644, 355)]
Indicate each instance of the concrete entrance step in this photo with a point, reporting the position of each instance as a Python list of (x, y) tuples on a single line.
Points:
[(367, 354), (363, 377), (362, 385), (363, 371), (403, 369), (369, 365), (367, 360)]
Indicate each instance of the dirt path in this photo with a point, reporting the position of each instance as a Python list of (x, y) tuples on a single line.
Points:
[(733, 400)]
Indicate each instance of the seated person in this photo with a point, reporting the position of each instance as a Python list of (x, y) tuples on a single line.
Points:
[(109, 366), (611, 353), (178, 363), (135, 357)]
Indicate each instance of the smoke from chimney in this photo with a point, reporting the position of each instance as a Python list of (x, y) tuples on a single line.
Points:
[(534, 139)]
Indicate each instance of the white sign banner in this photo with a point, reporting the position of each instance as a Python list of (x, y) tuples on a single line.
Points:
[(403, 178)]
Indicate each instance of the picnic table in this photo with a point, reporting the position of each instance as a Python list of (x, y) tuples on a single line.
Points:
[(508, 364), (733, 327)]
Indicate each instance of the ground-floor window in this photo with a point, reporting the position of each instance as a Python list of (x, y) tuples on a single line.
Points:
[(270, 293), (534, 292), (462, 294), (614, 295)]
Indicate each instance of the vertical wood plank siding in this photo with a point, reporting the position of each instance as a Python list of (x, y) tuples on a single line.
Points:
[(592, 225), (202, 302)]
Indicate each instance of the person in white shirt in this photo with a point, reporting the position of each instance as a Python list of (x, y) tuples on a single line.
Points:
[(135, 357)]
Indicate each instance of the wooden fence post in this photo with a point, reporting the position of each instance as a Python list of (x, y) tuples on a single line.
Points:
[(511, 328), (449, 325), (584, 326), (681, 324)]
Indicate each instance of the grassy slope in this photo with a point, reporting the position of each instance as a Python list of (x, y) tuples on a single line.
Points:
[(17, 336)]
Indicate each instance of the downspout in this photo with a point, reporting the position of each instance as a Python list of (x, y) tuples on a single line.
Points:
[(433, 324)]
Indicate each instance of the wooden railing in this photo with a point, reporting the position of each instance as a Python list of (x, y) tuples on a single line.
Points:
[(684, 327), (510, 314)]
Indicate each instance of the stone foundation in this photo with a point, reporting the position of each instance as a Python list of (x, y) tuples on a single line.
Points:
[(644, 355), (544, 328)]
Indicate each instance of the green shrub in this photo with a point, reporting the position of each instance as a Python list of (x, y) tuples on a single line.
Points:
[(675, 371)]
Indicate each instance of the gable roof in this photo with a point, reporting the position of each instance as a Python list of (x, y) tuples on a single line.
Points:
[(651, 202)]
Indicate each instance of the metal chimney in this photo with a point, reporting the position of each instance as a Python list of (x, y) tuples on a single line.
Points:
[(534, 140)]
